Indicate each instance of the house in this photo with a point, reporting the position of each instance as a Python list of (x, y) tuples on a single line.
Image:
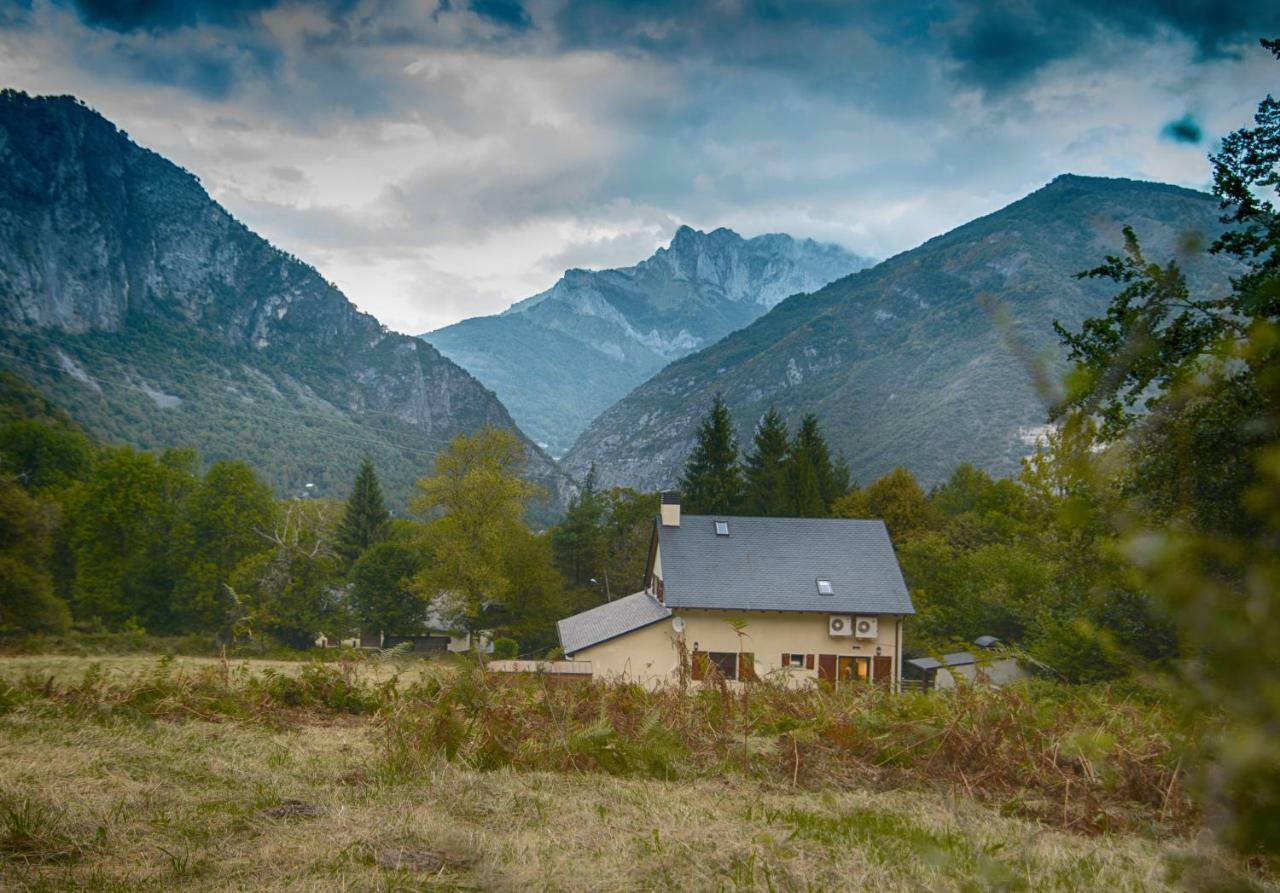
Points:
[(804, 598)]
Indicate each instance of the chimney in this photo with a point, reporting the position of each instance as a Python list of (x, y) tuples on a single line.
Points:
[(670, 509)]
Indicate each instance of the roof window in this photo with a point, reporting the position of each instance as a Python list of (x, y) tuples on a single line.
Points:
[(722, 528), (824, 587)]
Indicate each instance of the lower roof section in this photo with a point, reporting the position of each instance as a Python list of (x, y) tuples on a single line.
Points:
[(608, 621)]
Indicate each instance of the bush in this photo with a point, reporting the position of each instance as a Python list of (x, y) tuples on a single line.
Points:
[(505, 649)]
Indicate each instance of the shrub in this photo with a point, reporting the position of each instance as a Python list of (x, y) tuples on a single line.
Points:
[(505, 649)]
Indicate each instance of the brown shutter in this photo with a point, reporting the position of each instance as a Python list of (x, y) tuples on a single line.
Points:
[(747, 667), (700, 661), (883, 669), (786, 659), (827, 667), (808, 661)]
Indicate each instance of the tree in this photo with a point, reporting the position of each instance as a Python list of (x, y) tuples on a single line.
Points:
[(809, 450), (364, 520), (712, 482), (536, 599), (122, 533), (29, 604), (479, 497), (222, 524), (382, 593), (765, 469), (44, 456), (293, 591), (578, 540), (897, 499)]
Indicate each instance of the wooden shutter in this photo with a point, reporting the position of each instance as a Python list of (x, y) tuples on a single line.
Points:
[(827, 667), (882, 668), (747, 667), (786, 659), (808, 661), (699, 668)]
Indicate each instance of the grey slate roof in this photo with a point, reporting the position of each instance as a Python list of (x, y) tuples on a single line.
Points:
[(608, 621), (773, 564)]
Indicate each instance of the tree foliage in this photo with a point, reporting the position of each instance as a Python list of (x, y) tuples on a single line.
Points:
[(712, 481), (364, 520), (477, 497)]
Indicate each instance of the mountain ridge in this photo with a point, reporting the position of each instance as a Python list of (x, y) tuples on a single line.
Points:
[(559, 357), (954, 328), (145, 308)]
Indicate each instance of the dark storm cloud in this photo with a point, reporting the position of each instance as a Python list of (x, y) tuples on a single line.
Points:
[(504, 12), (1184, 130), (992, 45), (161, 15), (998, 45)]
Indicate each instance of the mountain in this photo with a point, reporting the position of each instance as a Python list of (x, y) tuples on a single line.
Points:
[(561, 357), (928, 359), (132, 299)]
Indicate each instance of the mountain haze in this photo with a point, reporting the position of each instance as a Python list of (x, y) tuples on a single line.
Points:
[(131, 298), (561, 357), (928, 359)]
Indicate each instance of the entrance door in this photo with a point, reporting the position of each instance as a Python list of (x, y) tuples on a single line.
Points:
[(883, 669)]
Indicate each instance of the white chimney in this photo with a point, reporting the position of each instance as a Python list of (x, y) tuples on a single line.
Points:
[(670, 509)]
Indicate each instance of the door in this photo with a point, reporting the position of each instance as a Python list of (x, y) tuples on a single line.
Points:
[(882, 668)]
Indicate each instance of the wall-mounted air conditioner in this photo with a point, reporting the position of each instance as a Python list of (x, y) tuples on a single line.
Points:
[(840, 626), (866, 627)]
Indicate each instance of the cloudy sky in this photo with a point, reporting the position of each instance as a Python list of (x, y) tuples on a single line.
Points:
[(444, 158)]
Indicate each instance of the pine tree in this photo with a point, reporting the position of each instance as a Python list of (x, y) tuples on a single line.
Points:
[(765, 472), (712, 481), (811, 455), (365, 519), (578, 540)]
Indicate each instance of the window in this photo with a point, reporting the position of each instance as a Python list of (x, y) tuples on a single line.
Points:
[(726, 662), (801, 661), (722, 528), (824, 587), (797, 660)]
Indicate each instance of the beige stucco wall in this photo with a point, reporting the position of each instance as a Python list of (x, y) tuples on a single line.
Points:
[(649, 655)]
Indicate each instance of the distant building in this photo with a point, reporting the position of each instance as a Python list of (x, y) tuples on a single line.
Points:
[(818, 599)]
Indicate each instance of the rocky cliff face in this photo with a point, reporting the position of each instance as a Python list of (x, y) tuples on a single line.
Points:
[(560, 357), (159, 319), (941, 355)]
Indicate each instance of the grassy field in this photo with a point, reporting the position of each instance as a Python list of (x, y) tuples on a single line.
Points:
[(127, 791)]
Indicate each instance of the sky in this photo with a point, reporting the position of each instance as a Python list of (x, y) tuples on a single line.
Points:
[(440, 159)]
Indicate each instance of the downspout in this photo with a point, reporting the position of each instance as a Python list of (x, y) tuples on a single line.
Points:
[(897, 655)]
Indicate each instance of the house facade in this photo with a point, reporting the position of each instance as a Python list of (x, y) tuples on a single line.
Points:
[(798, 599)]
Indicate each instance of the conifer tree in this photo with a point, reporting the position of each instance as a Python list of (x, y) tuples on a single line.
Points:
[(365, 519), (810, 454), (578, 541), (765, 469), (712, 482)]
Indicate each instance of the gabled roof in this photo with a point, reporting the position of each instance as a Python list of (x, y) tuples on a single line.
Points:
[(608, 621), (773, 564)]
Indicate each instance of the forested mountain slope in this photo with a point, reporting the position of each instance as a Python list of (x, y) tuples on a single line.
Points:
[(561, 357), (928, 359), (134, 300)]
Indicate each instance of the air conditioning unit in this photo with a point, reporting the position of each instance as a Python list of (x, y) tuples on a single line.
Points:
[(866, 627), (840, 626)]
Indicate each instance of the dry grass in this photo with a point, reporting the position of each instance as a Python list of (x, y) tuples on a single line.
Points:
[(94, 796), (122, 669)]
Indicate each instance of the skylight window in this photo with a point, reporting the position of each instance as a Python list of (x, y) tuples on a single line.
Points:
[(824, 587), (722, 528)]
